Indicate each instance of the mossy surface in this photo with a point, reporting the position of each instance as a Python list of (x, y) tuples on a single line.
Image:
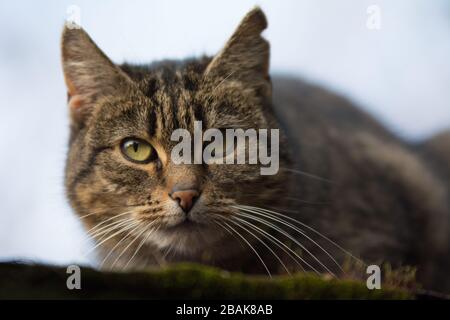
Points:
[(184, 281)]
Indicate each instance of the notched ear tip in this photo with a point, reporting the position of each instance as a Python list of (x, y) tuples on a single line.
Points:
[(71, 31), (246, 53), (255, 19), (72, 37)]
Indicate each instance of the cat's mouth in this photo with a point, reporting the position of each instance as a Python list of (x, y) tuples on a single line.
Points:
[(186, 233), (186, 225)]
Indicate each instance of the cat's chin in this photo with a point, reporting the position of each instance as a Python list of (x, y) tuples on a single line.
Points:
[(187, 237), (184, 226)]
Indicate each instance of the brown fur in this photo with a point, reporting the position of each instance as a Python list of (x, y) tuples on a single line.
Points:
[(377, 199)]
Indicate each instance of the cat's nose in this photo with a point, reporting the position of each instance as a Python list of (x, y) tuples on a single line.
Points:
[(185, 198)]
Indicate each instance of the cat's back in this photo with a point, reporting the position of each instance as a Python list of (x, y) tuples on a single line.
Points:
[(304, 107), (384, 202)]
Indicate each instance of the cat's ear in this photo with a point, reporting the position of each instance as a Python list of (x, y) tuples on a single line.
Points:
[(89, 74), (245, 56)]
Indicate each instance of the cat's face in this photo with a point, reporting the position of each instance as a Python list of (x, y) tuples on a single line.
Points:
[(120, 171)]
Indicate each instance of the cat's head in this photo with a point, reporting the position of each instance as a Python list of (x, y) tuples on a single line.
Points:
[(119, 170)]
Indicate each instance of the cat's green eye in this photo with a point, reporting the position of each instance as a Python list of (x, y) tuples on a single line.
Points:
[(138, 150)]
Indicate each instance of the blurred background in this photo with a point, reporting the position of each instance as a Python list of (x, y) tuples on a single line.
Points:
[(397, 67)]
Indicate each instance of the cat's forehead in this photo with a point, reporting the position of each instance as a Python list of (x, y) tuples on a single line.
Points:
[(165, 100), (181, 87), (167, 74), (173, 95)]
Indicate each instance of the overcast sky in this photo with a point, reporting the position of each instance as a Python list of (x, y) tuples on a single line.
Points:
[(400, 73)]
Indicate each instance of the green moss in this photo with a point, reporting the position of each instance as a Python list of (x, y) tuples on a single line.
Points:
[(184, 281)]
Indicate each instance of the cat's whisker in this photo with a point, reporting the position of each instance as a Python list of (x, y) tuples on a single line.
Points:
[(167, 251), (129, 245), (87, 215), (261, 241), (127, 226), (98, 231), (301, 232), (103, 210), (102, 231), (274, 213), (108, 228), (129, 234), (246, 241), (290, 237), (222, 82), (282, 232), (117, 245), (275, 241), (109, 219), (141, 243), (96, 212), (214, 220), (306, 174)]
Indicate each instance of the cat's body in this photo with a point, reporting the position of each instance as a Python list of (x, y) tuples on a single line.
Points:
[(384, 201), (341, 172)]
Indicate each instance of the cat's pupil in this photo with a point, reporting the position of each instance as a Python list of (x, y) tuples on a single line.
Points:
[(135, 146)]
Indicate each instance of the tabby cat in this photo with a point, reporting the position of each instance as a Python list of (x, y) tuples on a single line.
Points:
[(346, 188)]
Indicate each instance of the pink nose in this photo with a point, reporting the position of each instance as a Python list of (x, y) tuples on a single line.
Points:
[(185, 198)]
